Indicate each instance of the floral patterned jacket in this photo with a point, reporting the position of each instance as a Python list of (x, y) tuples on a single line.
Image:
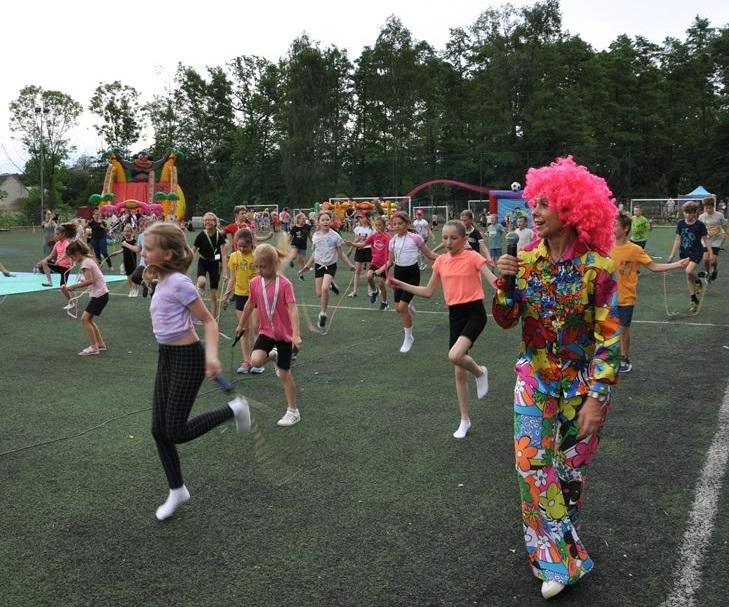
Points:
[(570, 329)]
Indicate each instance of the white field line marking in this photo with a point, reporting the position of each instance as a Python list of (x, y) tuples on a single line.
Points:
[(701, 521), (445, 313)]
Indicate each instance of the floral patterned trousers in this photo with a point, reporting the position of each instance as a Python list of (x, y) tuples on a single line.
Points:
[(551, 465)]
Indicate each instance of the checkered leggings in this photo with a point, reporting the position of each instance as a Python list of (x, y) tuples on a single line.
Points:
[(180, 372)]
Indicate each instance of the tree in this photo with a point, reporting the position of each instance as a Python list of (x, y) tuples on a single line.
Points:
[(41, 117), (118, 106)]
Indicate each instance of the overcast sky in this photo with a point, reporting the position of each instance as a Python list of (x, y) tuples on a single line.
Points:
[(73, 46)]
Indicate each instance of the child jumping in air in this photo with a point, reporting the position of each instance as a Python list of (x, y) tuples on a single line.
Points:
[(99, 295), (379, 242), (403, 254), (460, 271), (363, 255), (183, 363), (691, 240), (299, 237), (242, 270), (327, 249), (272, 295), (627, 256), (61, 263), (210, 246)]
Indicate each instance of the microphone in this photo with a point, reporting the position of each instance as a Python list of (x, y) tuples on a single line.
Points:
[(512, 240)]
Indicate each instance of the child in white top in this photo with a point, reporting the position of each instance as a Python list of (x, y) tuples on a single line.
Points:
[(363, 256), (525, 234), (404, 249), (99, 295), (327, 250)]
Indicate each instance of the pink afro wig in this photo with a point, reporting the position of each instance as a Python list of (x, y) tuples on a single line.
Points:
[(580, 199)]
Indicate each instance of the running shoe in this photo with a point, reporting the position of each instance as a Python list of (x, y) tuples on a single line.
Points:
[(384, 306), (244, 368), (90, 351), (290, 418), (352, 294), (625, 366), (322, 320), (373, 296)]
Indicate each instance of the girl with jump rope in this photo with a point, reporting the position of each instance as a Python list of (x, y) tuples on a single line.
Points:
[(61, 263), (279, 333), (299, 237), (327, 249), (210, 246), (93, 278), (363, 254), (460, 271), (403, 254), (183, 363), (379, 241), (242, 271)]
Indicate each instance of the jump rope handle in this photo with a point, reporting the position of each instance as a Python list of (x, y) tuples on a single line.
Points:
[(237, 338), (223, 384)]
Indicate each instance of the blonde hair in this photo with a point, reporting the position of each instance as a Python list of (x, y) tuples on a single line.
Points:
[(214, 216), (269, 253), (169, 237)]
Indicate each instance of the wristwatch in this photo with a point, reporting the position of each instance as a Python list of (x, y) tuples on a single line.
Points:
[(598, 396)]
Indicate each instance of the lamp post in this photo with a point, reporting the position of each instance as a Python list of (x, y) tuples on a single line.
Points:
[(41, 112)]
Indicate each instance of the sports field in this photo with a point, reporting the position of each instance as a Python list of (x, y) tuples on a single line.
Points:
[(369, 500)]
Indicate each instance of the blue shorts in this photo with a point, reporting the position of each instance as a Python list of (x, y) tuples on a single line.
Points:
[(625, 315)]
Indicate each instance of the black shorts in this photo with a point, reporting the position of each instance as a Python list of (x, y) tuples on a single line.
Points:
[(625, 315), (62, 270), (694, 255), (363, 255), (467, 319), (137, 275), (97, 304), (714, 250), (211, 267), (240, 302), (410, 275), (319, 271), (373, 269), (284, 348)]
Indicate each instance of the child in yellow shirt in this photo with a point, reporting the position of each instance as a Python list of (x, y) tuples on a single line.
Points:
[(240, 263), (627, 256)]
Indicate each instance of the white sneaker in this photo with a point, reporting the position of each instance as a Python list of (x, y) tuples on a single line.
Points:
[(256, 370), (241, 413), (244, 368), (482, 383), (290, 418), (352, 294), (273, 354), (551, 588), (463, 429), (407, 343)]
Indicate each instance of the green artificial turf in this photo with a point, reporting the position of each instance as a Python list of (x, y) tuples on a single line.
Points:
[(369, 500)]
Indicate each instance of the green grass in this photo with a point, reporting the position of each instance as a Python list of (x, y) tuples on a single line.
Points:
[(369, 501)]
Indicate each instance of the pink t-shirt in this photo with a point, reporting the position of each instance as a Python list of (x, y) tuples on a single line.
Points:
[(379, 241), (461, 276), (59, 253), (280, 328), (171, 317), (98, 286)]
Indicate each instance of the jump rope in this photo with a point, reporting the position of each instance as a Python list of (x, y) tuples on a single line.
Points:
[(676, 314)]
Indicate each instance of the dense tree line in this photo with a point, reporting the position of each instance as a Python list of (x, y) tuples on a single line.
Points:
[(511, 91)]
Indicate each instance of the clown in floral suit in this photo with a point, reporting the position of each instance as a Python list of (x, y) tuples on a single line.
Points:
[(566, 297)]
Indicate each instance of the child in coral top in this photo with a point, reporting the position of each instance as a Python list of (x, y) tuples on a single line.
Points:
[(461, 271)]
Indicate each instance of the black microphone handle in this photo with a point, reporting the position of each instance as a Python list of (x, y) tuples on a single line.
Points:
[(510, 280)]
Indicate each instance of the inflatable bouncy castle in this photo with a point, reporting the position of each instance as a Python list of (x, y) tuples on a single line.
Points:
[(143, 183)]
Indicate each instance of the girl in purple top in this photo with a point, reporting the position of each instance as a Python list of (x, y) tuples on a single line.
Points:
[(182, 362)]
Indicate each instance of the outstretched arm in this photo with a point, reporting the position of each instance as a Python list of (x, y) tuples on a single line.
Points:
[(426, 291), (665, 267)]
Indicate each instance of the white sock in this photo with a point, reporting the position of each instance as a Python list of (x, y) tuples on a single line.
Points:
[(407, 343), (408, 332), (482, 383), (463, 429), (176, 498)]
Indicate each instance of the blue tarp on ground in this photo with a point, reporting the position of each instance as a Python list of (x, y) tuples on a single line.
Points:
[(27, 282)]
